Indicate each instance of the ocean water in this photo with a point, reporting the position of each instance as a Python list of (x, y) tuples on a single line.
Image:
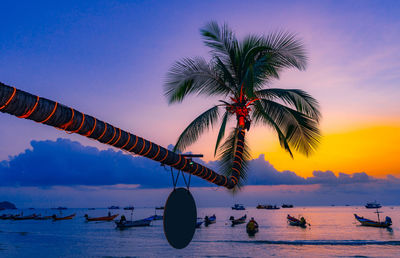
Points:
[(333, 233)]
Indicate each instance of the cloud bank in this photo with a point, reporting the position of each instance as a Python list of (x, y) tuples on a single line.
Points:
[(67, 163)]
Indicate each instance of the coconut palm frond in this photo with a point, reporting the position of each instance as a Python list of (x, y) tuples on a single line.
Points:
[(193, 75), (246, 46), (196, 128), (257, 74), (301, 131), (222, 42), (226, 155), (268, 56), (221, 132), (289, 50), (299, 99), (259, 115), (226, 73)]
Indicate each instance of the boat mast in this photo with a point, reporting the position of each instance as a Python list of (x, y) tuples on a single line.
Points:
[(377, 212)]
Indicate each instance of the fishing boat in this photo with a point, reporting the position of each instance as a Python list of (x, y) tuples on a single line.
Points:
[(373, 205), (155, 217), (43, 218), (59, 208), (287, 205), (199, 222), (105, 218), (240, 220), (296, 222), (210, 220), (268, 207), (129, 223), (6, 216), (129, 208), (55, 218), (160, 208), (24, 217), (113, 207), (370, 223), (238, 207)]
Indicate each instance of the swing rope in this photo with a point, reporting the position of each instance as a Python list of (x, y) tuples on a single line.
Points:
[(175, 180)]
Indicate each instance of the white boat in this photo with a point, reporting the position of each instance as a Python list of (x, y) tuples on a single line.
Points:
[(373, 205), (130, 223), (238, 207)]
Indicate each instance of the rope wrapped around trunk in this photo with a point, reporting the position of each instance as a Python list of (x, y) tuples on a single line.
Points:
[(25, 105)]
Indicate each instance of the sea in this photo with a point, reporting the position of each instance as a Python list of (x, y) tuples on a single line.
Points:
[(333, 232)]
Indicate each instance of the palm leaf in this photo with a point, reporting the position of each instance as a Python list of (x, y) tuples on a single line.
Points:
[(301, 131), (226, 155), (264, 57), (190, 76), (222, 42), (299, 99), (288, 48), (260, 115), (226, 73), (221, 132), (196, 128)]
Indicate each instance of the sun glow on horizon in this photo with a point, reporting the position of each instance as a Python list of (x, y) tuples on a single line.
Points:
[(371, 149)]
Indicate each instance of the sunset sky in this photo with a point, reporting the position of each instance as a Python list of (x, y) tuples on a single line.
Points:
[(110, 59)]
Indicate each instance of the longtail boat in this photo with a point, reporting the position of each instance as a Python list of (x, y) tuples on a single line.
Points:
[(370, 223), (155, 217), (130, 223), (210, 220), (24, 217), (6, 216), (268, 207), (105, 218), (43, 218), (240, 220), (297, 222), (55, 218)]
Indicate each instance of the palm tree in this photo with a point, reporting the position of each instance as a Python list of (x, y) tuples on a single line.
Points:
[(239, 72)]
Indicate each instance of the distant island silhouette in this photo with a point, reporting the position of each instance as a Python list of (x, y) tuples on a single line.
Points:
[(7, 206)]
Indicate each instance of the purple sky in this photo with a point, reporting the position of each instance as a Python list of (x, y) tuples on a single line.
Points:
[(110, 59)]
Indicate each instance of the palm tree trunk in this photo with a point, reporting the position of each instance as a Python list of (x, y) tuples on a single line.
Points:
[(238, 158), (25, 105)]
